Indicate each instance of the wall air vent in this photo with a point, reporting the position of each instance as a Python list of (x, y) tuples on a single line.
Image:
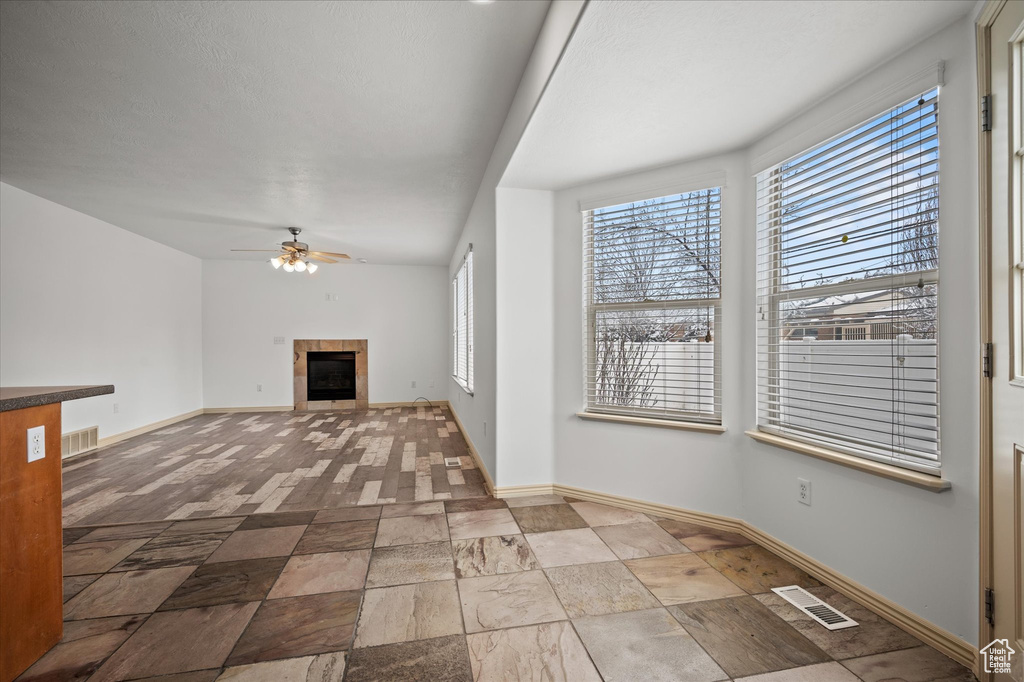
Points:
[(814, 607), (77, 442)]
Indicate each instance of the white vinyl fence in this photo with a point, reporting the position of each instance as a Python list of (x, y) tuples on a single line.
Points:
[(661, 377), (882, 392)]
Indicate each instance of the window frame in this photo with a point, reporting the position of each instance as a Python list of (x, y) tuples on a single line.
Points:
[(1016, 269), (771, 270), (464, 271), (637, 415)]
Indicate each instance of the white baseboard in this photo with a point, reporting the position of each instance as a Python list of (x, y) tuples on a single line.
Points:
[(524, 490), (125, 435), (289, 408), (949, 644), (488, 481), (262, 408)]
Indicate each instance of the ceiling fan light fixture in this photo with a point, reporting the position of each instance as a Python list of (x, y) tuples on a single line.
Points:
[(297, 256)]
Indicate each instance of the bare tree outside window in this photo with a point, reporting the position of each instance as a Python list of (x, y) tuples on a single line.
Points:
[(848, 278), (654, 281)]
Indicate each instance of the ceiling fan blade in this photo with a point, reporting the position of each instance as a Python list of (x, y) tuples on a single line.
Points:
[(329, 253), (289, 248), (323, 259), (258, 250)]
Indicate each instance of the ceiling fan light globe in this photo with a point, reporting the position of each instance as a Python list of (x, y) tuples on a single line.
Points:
[(288, 267), (311, 268), (300, 266), (276, 262)]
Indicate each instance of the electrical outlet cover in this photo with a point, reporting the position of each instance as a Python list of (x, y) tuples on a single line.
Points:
[(803, 491), (36, 443)]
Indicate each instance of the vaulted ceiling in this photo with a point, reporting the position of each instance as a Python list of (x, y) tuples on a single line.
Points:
[(212, 125), (644, 83), (209, 126)]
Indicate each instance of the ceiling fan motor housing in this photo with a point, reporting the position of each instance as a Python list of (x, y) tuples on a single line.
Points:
[(298, 246), (295, 244)]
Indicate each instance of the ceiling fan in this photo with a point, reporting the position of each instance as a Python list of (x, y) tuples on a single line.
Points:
[(294, 256)]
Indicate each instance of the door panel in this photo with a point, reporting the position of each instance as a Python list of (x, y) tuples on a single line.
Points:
[(1006, 297)]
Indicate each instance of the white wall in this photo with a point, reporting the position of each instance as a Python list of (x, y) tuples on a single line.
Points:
[(525, 438), (916, 547), (68, 315), (400, 310), (685, 469), (477, 411)]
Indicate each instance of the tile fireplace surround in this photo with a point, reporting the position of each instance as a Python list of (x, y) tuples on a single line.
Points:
[(303, 346)]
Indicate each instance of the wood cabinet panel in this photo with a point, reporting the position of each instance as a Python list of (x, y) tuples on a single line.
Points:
[(30, 540)]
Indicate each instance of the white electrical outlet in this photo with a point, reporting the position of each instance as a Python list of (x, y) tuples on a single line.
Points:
[(36, 443), (414, 384), (116, 408), (259, 388), (803, 495)]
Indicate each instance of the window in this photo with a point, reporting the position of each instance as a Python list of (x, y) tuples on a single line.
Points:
[(462, 327), (847, 291), (652, 292)]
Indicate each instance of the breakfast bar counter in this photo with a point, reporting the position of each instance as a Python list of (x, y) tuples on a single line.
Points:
[(31, 618)]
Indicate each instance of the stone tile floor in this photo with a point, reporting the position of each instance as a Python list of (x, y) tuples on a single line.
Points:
[(538, 588)]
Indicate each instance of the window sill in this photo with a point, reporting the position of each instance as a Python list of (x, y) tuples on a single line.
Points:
[(645, 421), (462, 386), (921, 480)]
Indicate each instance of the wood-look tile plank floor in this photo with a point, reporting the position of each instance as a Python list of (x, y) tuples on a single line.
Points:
[(255, 463), (421, 592)]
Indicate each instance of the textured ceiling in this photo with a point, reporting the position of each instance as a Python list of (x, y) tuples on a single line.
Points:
[(210, 125), (644, 84)]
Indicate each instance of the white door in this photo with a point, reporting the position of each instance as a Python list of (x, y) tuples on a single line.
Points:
[(1005, 293)]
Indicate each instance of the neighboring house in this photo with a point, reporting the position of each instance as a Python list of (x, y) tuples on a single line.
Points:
[(854, 317)]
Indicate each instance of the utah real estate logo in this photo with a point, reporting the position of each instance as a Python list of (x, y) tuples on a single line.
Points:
[(997, 656)]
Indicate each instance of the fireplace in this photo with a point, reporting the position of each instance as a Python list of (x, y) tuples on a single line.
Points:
[(330, 375)]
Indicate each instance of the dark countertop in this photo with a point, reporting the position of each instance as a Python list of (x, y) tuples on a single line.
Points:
[(18, 397)]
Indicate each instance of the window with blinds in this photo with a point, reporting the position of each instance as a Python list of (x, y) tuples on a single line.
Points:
[(847, 291), (652, 273), (462, 327)]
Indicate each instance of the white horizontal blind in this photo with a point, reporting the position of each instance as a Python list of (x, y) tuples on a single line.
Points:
[(462, 327), (652, 287), (847, 290)]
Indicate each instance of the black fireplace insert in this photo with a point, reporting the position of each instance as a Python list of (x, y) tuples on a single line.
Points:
[(330, 375)]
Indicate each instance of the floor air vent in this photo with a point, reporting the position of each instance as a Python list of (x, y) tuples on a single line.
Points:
[(77, 442), (814, 607), (452, 462)]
